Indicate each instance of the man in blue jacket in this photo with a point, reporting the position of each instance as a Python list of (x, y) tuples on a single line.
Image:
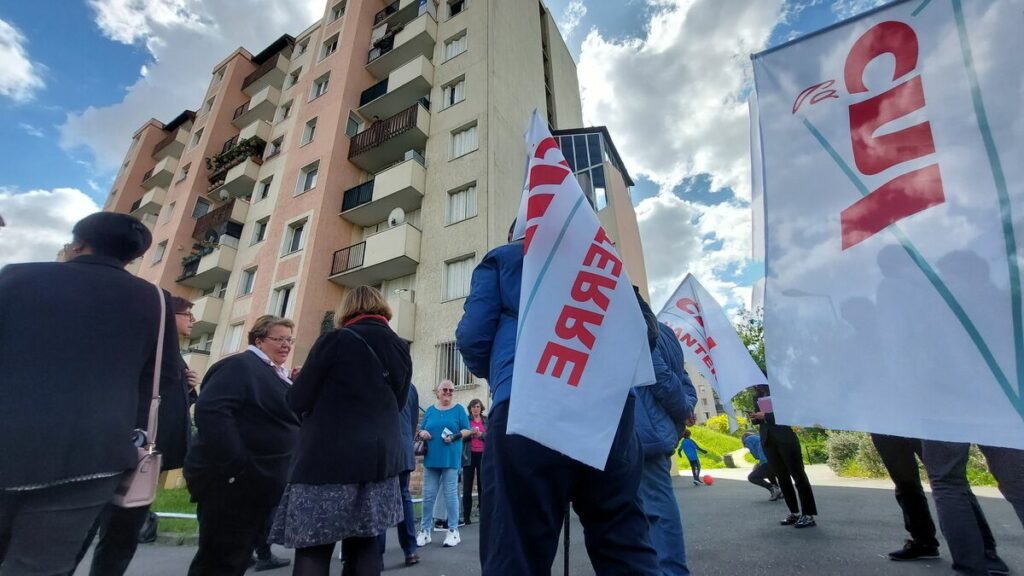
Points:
[(662, 410), (526, 486)]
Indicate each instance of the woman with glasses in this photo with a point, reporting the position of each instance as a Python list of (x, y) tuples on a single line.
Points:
[(237, 466), (344, 483), (444, 426)]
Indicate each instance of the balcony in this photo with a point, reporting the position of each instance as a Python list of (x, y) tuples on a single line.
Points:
[(384, 256), (234, 173), (172, 146), (400, 186), (259, 129), (403, 314), (262, 106), (401, 44), (150, 203), (385, 141), (270, 73), (149, 221), (207, 313), (227, 219), (161, 174), (407, 83), (209, 264), (196, 358)]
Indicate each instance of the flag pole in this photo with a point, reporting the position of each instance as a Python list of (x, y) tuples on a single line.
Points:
[(565, 569)]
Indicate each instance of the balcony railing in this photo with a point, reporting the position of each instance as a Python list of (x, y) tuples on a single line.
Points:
[(348, 258), (357, 196), (373, 92), (387, 11), (384, 130), (240, 110), (219, 164), (267, 66), (147, 175), (135, 205), (382, 46)]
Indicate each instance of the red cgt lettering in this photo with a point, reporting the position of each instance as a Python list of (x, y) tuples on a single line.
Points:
[(563, 356)]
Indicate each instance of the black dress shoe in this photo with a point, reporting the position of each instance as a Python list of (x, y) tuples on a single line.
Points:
[(790, 520), (412, 559), (805, 522), (271, 563), (995, 564), (913, 550)]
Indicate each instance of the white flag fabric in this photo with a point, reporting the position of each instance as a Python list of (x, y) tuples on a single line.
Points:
[(582, 340), (894, 211), (710, 342)]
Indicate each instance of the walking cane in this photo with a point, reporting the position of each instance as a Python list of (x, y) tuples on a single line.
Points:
[(565, 571)]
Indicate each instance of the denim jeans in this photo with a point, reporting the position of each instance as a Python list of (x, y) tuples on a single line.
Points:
[(447, 479), (662, 510)]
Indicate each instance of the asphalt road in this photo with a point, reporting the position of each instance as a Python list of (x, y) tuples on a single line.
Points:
[(731, 529)]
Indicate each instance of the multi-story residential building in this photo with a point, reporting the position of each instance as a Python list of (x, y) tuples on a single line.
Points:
[(382, 146), (708, 405)]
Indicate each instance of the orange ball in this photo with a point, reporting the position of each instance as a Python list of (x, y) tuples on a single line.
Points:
[(709, 480)]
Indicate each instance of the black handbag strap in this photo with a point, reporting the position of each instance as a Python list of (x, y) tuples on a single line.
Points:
[(383, 368)]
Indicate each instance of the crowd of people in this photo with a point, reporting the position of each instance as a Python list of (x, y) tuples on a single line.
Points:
[(323, 453)]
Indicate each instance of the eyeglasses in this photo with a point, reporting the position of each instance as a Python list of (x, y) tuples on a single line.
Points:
[(447, 390), (281, 339), (189, 314)]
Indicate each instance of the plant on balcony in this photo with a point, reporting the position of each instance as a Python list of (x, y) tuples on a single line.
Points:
[(219, 164), (199, 249)]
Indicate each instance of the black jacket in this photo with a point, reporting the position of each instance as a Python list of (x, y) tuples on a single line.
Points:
[(350, 414), (246, 431), (777, 434), (77, 346)]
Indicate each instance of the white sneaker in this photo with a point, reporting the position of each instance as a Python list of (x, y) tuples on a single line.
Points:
[(423, 538), (452, 539)]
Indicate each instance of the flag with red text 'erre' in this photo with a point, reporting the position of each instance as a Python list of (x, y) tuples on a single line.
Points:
[(582, 340)]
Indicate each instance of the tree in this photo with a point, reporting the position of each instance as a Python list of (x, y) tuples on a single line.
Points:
[(750, 328)]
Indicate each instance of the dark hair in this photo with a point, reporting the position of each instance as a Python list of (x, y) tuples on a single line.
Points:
[(114, 235), (686, 433), (475, 402), (179, 304)]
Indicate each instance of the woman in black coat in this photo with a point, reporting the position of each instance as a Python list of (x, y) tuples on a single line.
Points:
[(344, 484)]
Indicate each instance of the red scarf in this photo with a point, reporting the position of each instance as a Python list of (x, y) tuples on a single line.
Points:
[(364, 317)]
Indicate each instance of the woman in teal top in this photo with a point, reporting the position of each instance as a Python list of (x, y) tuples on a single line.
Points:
[(444, 426)]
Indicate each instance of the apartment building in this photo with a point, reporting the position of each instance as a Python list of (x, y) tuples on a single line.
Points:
[(381, 146)]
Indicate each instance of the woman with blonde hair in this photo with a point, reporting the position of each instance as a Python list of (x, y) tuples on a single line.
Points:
[(444, 426), (344, 483)]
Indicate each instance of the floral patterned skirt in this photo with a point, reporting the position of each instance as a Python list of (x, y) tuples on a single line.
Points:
[(317, 514)]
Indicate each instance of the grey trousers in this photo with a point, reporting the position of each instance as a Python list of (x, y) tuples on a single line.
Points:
[(946, 463)]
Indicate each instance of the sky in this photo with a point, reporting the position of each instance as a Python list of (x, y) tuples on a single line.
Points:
[(70, 107)]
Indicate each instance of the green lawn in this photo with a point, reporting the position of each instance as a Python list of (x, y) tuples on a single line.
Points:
[(716, 443), (175, 500)]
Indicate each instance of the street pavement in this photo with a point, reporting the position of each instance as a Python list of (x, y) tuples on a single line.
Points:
[(731, 529)]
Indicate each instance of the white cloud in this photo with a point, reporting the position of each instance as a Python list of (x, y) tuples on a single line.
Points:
[(185, 38), (39, 222), (849, 8), (571, 17), (30, 129), (19, 76)]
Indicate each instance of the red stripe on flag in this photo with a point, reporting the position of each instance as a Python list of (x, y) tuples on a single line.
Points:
[(544, 174), (545, 145)]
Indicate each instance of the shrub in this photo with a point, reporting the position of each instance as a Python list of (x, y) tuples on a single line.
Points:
[(868, 459), (718, 424), (841, 448)]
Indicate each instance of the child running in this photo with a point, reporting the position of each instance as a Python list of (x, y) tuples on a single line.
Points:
[(690, 448)]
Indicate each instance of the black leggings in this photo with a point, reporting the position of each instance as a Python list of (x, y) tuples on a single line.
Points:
[(468, 474), (695, 468), (362, 558)]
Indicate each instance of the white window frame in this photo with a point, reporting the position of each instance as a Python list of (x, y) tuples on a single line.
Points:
[(458, 152), (263, 188), (329, 46), (197, 138), (465, 6), (301, 226), (353, 118), (208, 105), (446, 293), (301, 46), (195, 206), (275, 302), (320, 86), (293, 77), (304, 172), (247, 282), (284, 111), (469, 210), (168, 212), (456, 41), (335, 13), (276, 147), (183, 173), (260, 233), (159, 252), (309, 131), (453, 92), (233, 340)]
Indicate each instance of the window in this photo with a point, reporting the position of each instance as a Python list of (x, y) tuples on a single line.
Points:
[(320, 86), (329, 47), (207, 106), (168, 212), (353, 125), (463, 141), (196, 138), (451, 367), (275, 147), (202, 207), (308, 132), (300, 48), (293, 78), (282, 301), (261, 230), (307, 177), (233, 339), (457, 275), (218, 75), (456, 7), (285, 111), (184, 172), (229, 144), (263, 189), (455, 45), (461, 204), (158, 253), (295, 237), (248, 279), (453, 92), (337, 11)]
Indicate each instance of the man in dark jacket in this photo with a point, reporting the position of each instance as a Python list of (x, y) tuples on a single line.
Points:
[(526, 486), (662, 410), (77, 346), (410, 418)]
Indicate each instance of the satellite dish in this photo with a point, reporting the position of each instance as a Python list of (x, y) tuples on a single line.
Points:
[(223, 194), (396, 218)]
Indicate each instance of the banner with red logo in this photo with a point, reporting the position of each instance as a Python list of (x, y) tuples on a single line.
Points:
[(582, 340), (709, 341), (891, 152)]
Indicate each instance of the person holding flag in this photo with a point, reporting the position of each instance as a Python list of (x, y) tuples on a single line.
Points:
[(552, 323)]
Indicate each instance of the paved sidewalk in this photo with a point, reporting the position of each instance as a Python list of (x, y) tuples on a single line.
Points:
[(731, 529)]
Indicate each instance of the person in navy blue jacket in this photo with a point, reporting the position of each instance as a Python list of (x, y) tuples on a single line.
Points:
[(526, 486), (662, 410)]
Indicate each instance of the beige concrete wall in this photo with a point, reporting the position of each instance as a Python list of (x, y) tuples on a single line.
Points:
[(568, 109), (619, 219)]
